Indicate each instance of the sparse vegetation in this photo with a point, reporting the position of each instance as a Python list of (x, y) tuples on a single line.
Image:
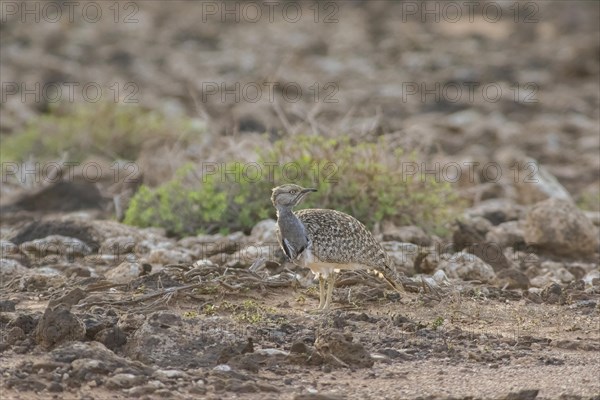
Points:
[(209, 309), (251, 312), (437, 323), (108, 129), (179, 206), (248, 311), (190, 315), (366, 181), (589, 201), (362, 179)]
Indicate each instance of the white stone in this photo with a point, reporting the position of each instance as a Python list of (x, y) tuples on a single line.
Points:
[(467, 267)]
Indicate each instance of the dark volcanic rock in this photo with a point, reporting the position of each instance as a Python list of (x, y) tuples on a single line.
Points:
[(339, 349), (61, 196), (59, 325), (92, 233)]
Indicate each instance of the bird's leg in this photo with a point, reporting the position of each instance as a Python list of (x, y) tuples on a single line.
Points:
[(330, 284), (321, 292)]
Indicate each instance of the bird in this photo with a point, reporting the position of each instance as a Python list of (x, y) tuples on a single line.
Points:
[(326, 241)]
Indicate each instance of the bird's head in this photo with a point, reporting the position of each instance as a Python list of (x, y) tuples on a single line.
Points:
[(289, 195)]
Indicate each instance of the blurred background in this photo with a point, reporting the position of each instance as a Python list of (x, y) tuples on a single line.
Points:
[(397, 111), (140, 141)]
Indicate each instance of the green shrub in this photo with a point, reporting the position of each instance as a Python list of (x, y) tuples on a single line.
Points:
[(109, 129), (589, 201), (179, 206), (347, 178), (366, 181)]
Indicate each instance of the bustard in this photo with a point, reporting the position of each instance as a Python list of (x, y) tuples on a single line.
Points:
[(325, 241)]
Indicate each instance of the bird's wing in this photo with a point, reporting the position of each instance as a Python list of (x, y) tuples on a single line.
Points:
[(288, 248), (292, 252), (283, 243), (340, 238)]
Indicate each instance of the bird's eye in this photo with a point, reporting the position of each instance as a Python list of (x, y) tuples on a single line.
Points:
[(292, 191)]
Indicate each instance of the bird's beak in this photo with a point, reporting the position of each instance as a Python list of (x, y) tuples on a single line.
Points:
[(303, 194)]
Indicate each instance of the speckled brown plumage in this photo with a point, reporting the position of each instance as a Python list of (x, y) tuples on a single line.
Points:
[(339, 238)]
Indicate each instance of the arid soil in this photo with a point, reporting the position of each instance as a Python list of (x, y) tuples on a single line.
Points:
[(87, 325), (484, 348), (507, 306)]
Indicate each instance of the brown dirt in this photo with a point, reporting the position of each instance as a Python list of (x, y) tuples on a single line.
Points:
[(464, 345)]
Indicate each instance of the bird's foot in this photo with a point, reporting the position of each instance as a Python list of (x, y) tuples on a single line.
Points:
[(323, 308)]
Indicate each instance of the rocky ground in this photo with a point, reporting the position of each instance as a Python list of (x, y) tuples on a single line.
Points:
[(506, 306), (97, 309)]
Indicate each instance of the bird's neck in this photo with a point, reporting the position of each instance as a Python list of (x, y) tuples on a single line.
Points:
[(288, 221), (284, 212)]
